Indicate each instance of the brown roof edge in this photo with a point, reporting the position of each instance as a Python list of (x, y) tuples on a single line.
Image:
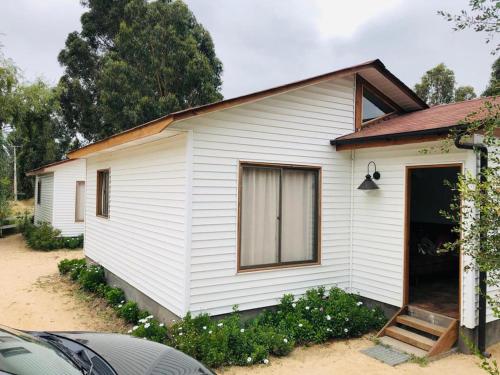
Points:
[(442, 131), (42, 169), (158, 125)]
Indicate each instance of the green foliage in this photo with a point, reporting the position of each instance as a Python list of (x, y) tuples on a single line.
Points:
[(133, 61), (150, 329), (44, 237), (24, 221), (67, 265), (9, 78), (316, 317), (483, 198), (115, 296), (493, 87), (436, 85), (463, 93), (91, 277), (129, 311), (482, 17)]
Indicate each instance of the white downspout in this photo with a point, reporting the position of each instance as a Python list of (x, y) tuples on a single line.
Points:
[(351, 221)]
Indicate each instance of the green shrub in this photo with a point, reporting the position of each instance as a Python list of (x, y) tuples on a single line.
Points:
[(115, 296), (74, 274), (45, 237), (24, 222), (91, 278), (150, 329), (129, 311), (73, 242), (66, 265)]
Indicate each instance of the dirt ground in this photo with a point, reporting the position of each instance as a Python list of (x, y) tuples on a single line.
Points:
[(34, 297), (343, 357)]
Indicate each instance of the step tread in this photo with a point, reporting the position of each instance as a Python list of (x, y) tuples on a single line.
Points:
[(402, 346), (409, 337), (421, 325)]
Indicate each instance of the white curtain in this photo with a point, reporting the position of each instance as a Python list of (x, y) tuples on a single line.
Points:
[(298, 233), (259, 216), (80, 201)]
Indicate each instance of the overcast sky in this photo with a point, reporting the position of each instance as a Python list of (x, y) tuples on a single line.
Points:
[(263, 43)]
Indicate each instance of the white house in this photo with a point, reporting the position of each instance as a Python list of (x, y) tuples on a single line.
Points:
[(60, 196), (242, 201)]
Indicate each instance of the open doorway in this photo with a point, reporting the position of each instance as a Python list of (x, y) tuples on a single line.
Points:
[(432, 276)]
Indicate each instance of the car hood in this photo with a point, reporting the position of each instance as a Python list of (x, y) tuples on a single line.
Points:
[(132, 356)]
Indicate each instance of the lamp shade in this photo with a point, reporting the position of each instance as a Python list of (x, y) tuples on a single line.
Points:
[(368, 184)]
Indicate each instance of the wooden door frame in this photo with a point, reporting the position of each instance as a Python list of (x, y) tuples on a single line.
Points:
[(406, 238)]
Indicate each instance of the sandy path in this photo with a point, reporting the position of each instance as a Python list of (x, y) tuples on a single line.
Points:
[(33, 296), (343, 357)]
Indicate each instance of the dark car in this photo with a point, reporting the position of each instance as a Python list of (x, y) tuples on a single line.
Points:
[(76, 353)]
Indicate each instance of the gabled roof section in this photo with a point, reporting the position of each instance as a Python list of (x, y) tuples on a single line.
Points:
[(48, 167), (373, 71), (427, 124)]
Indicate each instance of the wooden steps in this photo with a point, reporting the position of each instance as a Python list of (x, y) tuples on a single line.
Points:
[(428, 333)]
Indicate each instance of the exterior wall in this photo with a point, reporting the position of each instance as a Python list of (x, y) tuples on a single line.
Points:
[(292, 128), (44, 210), (65, 178), (143, 240), (378, 224)]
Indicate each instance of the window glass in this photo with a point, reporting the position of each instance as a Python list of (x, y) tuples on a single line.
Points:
[(39, 191), (373, 106), (80, 201), (103, 193), (279, 216)]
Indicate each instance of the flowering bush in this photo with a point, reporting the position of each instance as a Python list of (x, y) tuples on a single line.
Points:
[(129, 311), (67, 265), (91, 277), (316, 317), (45, 237), (114, 296)]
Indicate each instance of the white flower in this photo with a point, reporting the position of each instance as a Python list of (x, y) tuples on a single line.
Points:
[(328, 330), (265, 361), (373, 310), (328, 317), (149, 317), (249, 360), (147, 325), (134, 328), (285, 341), (122, 301), (359, 303), (142, 320), (180, 328), (242, 330), (219, 325), (205, 327), (209, 332), (120, 306), (307, 307), (300, 325), (294, 305), (346, 330), (180, 334), (346, 319), (173, 320), (161, 325), (129, 331)]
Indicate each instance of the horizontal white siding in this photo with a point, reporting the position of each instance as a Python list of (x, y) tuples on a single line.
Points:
[(378, 223), (65, 177), (292, 128), (143, 241), (44, 210)]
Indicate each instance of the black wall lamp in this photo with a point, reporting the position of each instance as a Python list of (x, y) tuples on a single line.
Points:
[(368, 183)]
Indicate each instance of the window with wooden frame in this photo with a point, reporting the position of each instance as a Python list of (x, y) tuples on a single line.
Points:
[(102, 194), (371, 104), (80, 201), (39, 191), (279, 216)]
